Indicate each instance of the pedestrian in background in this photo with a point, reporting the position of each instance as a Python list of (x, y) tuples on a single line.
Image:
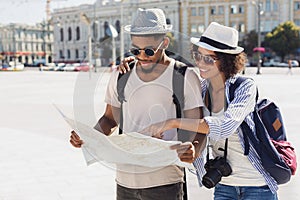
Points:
[(290, 67)]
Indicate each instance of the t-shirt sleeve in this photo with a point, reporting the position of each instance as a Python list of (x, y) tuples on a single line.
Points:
[(111, 96), (192, 90)]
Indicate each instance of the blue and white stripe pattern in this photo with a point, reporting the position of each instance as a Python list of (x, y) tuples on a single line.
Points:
[(238, 110)]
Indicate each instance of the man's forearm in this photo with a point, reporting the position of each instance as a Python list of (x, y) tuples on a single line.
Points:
[(105, 125)]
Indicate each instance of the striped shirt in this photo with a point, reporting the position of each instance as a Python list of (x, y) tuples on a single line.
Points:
[(238, 110)]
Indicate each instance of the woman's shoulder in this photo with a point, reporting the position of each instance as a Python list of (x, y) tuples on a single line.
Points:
[(242, 81)]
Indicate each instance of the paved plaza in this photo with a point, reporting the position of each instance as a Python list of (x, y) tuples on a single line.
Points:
[(38, 163)]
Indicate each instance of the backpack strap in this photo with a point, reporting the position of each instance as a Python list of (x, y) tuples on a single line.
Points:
[(244, 125), (178, 100), (178, 87), (121, 83)]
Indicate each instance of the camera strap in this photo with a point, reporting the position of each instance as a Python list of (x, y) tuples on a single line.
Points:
[(209, 107)]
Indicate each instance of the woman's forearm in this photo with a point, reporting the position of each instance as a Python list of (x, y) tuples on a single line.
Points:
[(195, 125)]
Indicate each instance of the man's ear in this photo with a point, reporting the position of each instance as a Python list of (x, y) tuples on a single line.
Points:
[(166, 42)]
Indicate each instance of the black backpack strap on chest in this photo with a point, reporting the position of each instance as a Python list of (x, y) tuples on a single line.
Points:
[(121, 83)]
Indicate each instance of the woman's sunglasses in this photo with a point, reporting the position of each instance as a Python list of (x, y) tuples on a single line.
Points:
[(208, 60), (148, 51)]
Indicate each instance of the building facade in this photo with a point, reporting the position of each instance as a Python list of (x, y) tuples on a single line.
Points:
[(188, 17), (26, 44)]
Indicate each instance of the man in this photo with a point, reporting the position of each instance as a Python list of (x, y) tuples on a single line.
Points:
[(149, 100)]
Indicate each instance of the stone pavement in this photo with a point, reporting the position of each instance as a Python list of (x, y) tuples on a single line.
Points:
[(38, 163)]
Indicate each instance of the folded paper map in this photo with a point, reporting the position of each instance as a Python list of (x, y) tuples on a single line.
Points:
[(130, 148)]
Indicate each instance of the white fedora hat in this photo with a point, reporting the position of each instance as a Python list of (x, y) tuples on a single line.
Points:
[(219, 38), (148, 21)]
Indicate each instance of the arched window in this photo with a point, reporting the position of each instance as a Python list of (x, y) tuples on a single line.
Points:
[(168, 21), (76, 53), (77, 33), (105, 28), (95, 31), (69, 34), (61, 34), (118, 26), (68, 54)]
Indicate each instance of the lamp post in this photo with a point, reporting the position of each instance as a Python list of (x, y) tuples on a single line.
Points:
[(121, 33), (258, 6), (87, 21), (112, 32)]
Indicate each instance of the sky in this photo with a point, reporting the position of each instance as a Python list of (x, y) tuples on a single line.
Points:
[(32, 11)]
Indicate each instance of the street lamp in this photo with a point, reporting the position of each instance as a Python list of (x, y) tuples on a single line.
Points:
[(112, 32), (87, 21), (258, 7), (121, 33)]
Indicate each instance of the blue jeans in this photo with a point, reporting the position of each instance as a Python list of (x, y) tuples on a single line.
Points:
[(226, 192), (164, 192)]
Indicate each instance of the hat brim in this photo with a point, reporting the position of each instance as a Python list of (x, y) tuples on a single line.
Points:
[(147, 30), (196, 41)]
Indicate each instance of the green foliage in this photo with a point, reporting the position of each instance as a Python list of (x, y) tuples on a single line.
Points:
[(250, 42), (284, 39)]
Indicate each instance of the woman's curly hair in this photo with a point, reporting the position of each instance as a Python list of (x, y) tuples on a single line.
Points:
[(231, 64)]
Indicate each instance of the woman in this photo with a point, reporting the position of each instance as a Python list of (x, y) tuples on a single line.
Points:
[(220, 59)]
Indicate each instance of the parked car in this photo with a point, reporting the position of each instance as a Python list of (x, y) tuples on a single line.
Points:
[(294, 63), (48, 67), (82, 67), (71, 67), (12, 66), (60, 67), (271, 63)]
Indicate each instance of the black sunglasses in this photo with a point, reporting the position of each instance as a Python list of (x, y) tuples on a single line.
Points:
[(208, 60), (148, 51)]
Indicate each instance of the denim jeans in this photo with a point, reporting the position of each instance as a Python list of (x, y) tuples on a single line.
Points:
[(226, 192), (165, 192)]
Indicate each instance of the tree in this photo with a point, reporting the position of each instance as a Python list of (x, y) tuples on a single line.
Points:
[(250, 42), (283, 39)]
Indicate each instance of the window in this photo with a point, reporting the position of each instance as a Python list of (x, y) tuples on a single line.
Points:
[(241, 28), (193, 28), (201, 11), (118, 26), (193, 12), (68, 54), (168, 21), (297, 22), (69, 34), (297, 5), (77, 33), (234, 25), (61, 34), (221, 10), (233, 9), (76, 54), (275, 6), (241, 9), (105, 29), (213, 10), (268, 6), (201, 29), (61, 55)]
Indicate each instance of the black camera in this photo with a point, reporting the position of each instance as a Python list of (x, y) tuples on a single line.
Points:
[(215, 169)]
